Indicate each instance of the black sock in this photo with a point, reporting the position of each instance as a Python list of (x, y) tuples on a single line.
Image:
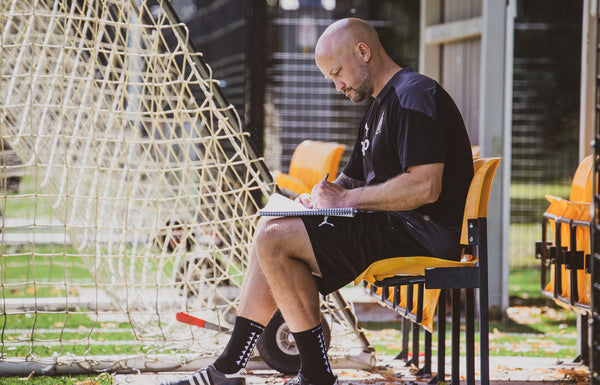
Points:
[(313, 356), (238, 350)]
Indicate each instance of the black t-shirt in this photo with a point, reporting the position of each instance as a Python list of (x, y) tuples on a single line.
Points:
[(414, 121)]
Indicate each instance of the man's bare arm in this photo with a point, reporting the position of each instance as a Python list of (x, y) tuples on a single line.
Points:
[(418, 186)]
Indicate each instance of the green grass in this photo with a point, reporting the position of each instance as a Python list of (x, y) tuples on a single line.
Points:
[(79, 331), (524, 288), (26, 204), (539, 191), (522, 238), (101, 379), (44, 263)]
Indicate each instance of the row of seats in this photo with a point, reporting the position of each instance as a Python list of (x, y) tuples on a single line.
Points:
[(417, 287), (564, 250), (406, 284)]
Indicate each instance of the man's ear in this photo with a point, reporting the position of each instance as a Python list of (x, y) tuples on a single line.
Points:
[(364, 51)]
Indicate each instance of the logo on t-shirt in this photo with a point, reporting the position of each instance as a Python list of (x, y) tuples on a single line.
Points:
[(378, 131), (365, 143)]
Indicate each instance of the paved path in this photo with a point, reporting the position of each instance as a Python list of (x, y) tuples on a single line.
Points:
[(513, 370)]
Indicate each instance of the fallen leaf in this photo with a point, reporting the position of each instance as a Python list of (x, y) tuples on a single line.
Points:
[(413, 369), (28, 377)]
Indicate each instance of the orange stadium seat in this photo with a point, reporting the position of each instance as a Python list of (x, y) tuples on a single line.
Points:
[(393, 281), (567, 281), (311, 161)]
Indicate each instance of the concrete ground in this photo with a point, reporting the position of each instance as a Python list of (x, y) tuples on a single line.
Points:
[(388, 371)]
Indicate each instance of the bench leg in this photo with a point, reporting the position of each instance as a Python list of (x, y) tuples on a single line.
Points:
[(470, 335), (441, 372), (415, 346), (440, 376), (583, 326), (484, 335), (426, 369), (455, 337), (403, 355), (484, 317)]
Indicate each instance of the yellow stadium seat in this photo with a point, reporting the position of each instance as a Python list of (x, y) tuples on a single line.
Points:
[(311, 161), (568, 221), (399, 271)]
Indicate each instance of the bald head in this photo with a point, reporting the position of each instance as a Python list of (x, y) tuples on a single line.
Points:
[(350, 54), (346, 34)]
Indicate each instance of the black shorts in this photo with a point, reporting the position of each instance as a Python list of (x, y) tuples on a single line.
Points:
[(347, 248)]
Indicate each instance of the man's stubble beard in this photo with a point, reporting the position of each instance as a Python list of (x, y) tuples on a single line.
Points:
[(364, 89)]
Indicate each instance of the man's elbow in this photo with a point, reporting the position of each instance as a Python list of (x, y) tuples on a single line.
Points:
[(431, 193), (427, 181)]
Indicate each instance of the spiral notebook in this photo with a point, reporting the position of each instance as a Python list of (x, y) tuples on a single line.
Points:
[(280, 206)]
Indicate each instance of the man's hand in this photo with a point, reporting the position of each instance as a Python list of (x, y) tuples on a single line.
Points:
[(327, 195), (305, 199)]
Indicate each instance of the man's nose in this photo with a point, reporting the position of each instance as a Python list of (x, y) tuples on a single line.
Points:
[(339, 85)]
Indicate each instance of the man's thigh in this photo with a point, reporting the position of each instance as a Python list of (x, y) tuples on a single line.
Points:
[(345, 247)]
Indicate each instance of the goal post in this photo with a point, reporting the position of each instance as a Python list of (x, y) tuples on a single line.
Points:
[(137, 193)]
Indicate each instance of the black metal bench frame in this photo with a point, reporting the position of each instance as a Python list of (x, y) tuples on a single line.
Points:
[(451, 279), (574, 260)]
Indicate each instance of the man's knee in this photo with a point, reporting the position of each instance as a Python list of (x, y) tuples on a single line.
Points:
[(268, 239), (277, 237)]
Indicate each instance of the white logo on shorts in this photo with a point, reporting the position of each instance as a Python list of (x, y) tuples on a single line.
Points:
[(325, 218)]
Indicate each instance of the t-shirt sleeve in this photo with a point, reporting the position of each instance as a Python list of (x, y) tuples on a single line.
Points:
[(421, 139)]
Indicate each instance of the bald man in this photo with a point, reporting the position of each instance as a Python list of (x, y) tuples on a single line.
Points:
[(408, 173)]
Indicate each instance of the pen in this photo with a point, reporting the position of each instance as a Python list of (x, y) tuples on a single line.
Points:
[(326, 176)]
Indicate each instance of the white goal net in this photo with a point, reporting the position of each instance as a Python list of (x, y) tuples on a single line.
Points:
[(128, 192)]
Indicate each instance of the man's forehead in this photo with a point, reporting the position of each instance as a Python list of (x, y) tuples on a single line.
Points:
[(329, 52)]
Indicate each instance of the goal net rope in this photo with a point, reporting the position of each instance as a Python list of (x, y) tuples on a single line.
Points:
[(137, 192)]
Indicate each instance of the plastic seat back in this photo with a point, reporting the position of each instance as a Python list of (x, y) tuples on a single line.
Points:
[(574, 208), (479, 193), (581, 187), (581, 191), (312, 160)]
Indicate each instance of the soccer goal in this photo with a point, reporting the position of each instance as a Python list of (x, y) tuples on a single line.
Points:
[(128, 194)]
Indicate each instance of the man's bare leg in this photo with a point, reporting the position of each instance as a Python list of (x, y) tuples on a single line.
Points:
[(288, 263), (275, 240), (280, 274), (254, 312), (256, 299)]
